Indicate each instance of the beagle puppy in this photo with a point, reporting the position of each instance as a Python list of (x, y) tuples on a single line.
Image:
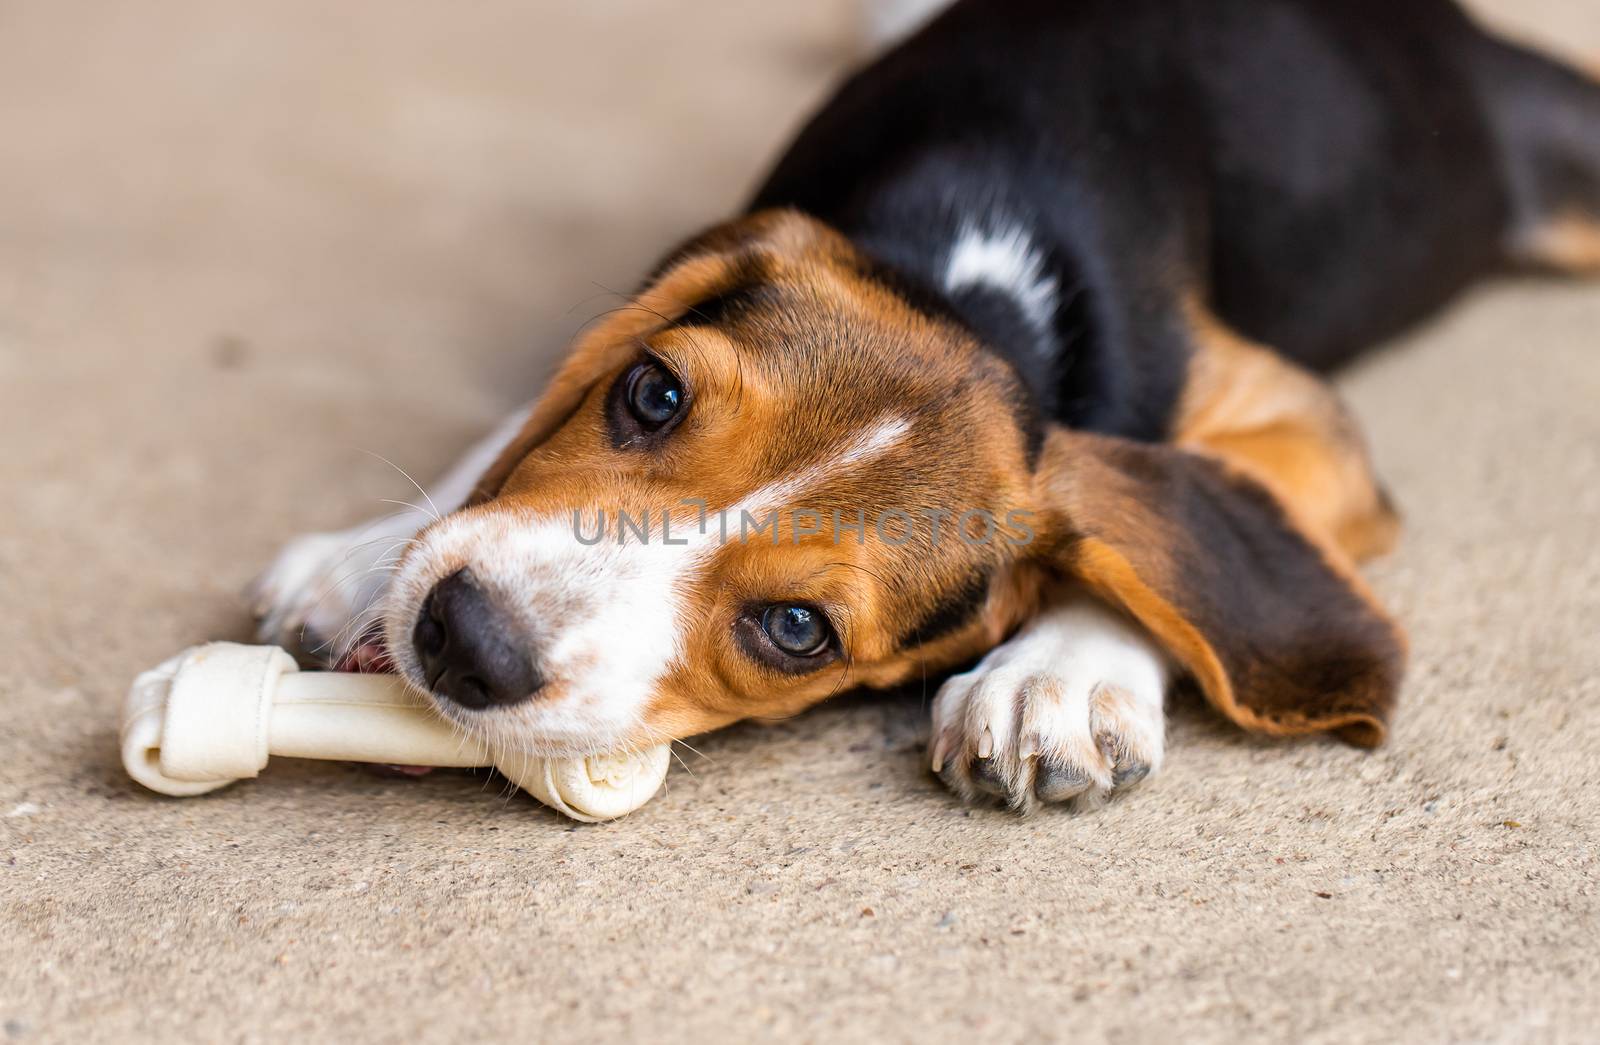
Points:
[(1012, 364)]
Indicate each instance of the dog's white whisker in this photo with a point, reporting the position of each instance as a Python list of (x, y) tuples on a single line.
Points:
[(433, 509)]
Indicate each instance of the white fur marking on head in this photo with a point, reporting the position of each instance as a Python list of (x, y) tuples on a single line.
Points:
[(869, 444), (1007, 261)]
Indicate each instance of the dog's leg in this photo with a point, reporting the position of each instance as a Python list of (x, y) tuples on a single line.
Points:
[(1070, 708), (1072, 705), (1546, 118), (320, 593), (1287, 429)]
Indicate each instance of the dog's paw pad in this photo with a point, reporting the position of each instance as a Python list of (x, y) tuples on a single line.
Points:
[(1056, 781)]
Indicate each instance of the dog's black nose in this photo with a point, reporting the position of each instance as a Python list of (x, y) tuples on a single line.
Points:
[(467, 647)]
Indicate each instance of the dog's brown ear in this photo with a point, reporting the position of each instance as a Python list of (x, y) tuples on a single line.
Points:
[(693, 276), (1279, 632)]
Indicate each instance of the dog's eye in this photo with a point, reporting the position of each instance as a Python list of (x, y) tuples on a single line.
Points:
[(654, 395), (800, 631)]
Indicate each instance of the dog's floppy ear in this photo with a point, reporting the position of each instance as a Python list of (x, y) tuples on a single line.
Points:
[(1280, 634), (692, 275)]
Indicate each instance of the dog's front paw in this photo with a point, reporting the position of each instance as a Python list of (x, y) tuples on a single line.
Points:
[(317, 592), (1070, 708)]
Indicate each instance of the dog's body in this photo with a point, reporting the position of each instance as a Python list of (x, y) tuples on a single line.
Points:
[(1030, 261), (1319, 174)]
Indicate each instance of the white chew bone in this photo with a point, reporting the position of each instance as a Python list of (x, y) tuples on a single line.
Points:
[(214, 713)]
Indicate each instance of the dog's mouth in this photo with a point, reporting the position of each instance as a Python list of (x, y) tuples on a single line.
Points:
[(368, 655)]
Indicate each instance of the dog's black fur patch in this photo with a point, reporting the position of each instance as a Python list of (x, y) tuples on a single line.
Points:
[(1320, 173)]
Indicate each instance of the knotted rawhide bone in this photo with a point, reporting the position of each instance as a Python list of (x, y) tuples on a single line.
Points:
[(214, 713)]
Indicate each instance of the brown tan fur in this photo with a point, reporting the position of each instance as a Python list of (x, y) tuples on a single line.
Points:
[(1288, 430), (1567, 243)]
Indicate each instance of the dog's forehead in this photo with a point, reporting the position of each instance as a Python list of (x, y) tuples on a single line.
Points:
[(837, 387), (843, 347)]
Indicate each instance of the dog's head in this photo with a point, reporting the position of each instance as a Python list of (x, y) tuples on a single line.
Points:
[(776, 475), (769, 478)]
